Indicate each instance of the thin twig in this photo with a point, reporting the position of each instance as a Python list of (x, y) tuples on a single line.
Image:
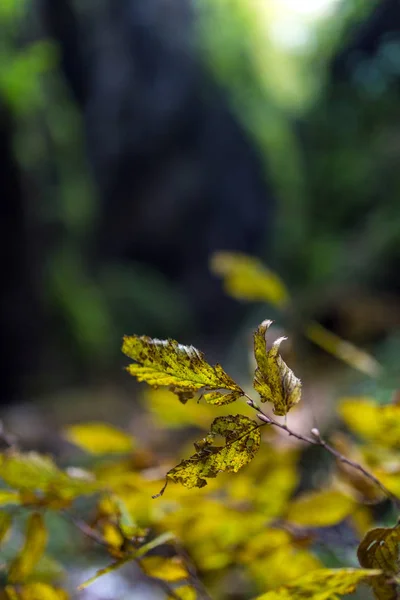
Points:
[(317, 440)]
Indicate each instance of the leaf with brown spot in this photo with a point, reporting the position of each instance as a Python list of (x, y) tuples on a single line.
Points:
[(273, 379), (182, 369), (379, 549), (242, 441)]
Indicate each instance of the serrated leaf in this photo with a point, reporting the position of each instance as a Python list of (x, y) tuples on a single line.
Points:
[(32, 473), (5, 524), (379, 549), (371, 421), (36, 591), (242, 441), (322, 584), (99, 438), (32, 551), (246, 278), (168, 569), (273, 379), (182, 368), (320, 509)]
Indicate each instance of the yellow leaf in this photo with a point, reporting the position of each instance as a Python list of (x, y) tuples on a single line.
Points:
[(242, 441), (246, 278), (167, 569), (185, 593), (374, 422), (5, 524), (36, 591), (273, 379), (379, 549), (181, 368), (320, 509), (322, 584), (32, 551), (31, 472), (99, 438), (9, 497)]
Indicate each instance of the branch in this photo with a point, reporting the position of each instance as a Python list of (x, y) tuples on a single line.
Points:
[(317, 440)]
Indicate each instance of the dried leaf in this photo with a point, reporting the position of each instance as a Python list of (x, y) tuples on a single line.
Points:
[(322, 584), (320, 509), (99, 438), (379, 549), (242, 441), (32, 551), (181, 368), (273, 379), (246, 278)]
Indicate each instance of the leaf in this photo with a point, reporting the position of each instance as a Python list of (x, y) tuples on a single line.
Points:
[(320, 509), (5, 524), (371, 421), (32, 473), (186, 592), (99, 438), (158, 541), (36, 591), (242, 441), (9, 497), (181, 368), (379, 549), (246, 278), (322, 584), (273, 379), (168, 569), (32, 551)]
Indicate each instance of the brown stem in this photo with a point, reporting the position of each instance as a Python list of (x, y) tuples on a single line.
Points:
[(317, 440)]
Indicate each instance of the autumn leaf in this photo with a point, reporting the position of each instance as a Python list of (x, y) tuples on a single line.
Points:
[(371, 421), (32, 551), (167, 569), (379, 549), (273, 379), (242, 441), (181, 368), (5, 524), (246, 278), (322, 584), (99, 438), (320, 509), (186, 592), (35, 591), (33, 473)]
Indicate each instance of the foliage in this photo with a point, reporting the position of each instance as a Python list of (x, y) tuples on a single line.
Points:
[(238, 504)]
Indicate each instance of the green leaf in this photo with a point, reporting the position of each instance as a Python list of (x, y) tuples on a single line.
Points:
[(273, 379), (242, 441), (322, 584), (246, 278), (99, 438), (320, 509), (32, 551), (379, 549), (182, 368)]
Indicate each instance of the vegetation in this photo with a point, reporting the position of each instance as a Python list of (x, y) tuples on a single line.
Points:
[(237, 509)]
